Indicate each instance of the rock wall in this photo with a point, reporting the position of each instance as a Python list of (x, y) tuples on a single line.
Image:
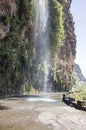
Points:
[(65, 56), (79, 73), (7, 8), (16, 48), (15, 35)]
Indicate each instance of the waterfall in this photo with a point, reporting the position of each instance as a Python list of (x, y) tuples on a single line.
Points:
[(41, 37)]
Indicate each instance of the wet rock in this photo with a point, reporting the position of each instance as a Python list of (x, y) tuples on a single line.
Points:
[(7, 9)]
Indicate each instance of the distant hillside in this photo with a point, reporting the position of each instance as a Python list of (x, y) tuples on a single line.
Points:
[(79, 73)]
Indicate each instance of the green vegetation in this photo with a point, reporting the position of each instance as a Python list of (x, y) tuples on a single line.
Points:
[(19, 68), (79, 94), (15, 50), (56, 22), (57, 37), (82, 91)]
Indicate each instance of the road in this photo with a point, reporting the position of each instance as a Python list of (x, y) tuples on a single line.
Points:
[(22, 114)]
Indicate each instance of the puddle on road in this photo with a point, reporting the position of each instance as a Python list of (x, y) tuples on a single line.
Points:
[(40, 99)]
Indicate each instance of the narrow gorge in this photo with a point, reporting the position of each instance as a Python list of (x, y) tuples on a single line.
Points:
[(37, 46)]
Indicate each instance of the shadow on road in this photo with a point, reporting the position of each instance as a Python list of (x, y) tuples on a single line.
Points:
[(3, 107)]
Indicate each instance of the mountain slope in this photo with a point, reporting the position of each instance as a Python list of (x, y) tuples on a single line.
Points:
[(79, 72)]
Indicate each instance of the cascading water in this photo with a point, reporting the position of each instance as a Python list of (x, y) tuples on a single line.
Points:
[(41, 37)]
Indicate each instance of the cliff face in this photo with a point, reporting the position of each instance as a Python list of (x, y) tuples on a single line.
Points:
[(7, 9), (79, 73), (17, 64), (15, 35), (65, 55)]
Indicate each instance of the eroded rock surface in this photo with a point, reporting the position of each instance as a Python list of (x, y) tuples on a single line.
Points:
[(7, 10)]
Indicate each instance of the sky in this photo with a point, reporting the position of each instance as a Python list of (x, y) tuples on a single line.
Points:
[(78, 10)]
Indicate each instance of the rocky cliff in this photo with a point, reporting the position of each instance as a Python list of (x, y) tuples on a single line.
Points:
[(79, 73), (17, 64), (65, 55), (15, 35)]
